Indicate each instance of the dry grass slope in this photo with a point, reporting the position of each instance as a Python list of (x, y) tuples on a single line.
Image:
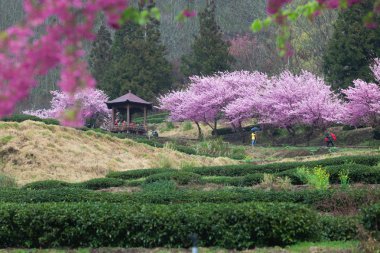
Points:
[(32, 151)]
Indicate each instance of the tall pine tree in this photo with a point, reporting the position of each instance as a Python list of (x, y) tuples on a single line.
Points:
[(139, 62), (100, 55), (209, 52), (352, 48)]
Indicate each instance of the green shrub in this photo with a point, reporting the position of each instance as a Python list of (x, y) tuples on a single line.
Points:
[(332, 201), (222, 180), (7, 181), (179, 177), (134, 174), (247, 180), (335, 228), (46, 184), (135, 182), (24, 117), (243, 169), (160, 187), (344, 178), (317, 177), (101, 183), (237, 226), (371, 218)]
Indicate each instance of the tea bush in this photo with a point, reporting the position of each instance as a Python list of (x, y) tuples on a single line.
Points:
[(46, 184), (180, 177), (134, 174), (237, 226)]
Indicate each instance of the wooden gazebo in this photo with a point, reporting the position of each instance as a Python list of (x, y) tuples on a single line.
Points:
[(125, 106)]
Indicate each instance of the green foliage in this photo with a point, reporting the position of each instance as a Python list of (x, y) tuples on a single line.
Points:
[(334, 201), (24, 117), (247, 180), (133, 174), (217, 147), (317, 178), (209, 52), (244, 169), (237, 226), (335, 228), (160, 187), (100, 55), (139, 62), (344, 178), (46, 185), (7, 181), (371, 218), (180, 177), (100, 183), (352, 48)]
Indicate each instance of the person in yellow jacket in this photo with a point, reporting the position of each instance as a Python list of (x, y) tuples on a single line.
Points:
[(253, 136)]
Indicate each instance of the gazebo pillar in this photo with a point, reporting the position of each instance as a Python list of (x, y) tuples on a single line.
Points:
[(113, 116), (128, 116), (145, 117)]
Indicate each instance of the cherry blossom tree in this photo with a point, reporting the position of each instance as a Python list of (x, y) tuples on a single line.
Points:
[(303, 99), (91, 104), (363, 106)]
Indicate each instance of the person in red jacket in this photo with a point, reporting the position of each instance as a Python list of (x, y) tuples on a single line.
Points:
[(329, 139)]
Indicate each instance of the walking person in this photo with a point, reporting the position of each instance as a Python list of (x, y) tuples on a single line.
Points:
[(253, 136), (329, 139)]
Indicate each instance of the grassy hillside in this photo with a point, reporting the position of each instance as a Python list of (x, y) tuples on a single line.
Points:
[(31, 151)]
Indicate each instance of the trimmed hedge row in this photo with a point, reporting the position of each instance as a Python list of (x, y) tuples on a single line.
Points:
[(244, 169), (247, 180), (335, 228), (92, 184), (358, 173), (135, 174), (371, 218), (237, 226), (180, 177), (326, 201)]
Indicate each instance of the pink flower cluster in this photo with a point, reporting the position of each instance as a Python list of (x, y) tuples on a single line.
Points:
[(285, 100), (50, 36), (75, 109), (363, 106)]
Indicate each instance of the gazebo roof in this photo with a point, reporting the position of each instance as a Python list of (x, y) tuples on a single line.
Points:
[(128, 98)]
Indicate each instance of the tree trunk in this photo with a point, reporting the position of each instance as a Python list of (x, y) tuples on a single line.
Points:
[(308, 135), (200, 134), (292, 134)]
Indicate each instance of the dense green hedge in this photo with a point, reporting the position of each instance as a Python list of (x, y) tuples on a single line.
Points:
[(134, 174), (247, 180), (180, 177), (243, 169), (24, 117), (46, 184), (100, 183), (358, 173), (237, 226), (92, 184), (371, 218), (327, 201), (335, 228)]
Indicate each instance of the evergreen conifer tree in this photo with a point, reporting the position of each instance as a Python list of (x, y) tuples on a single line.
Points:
[(100, 55), (352, 48), (139, 62), (209, 52)]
